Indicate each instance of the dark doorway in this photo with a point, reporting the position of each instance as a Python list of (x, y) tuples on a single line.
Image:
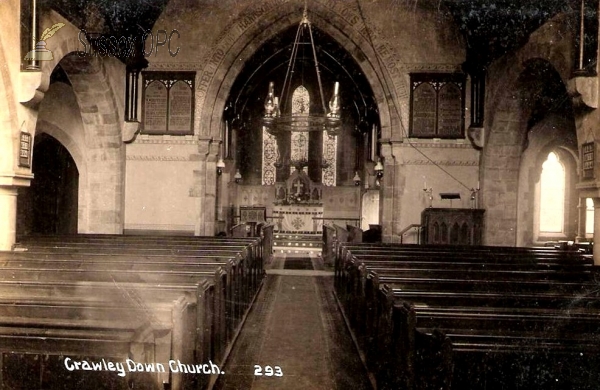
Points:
[(49, 206)]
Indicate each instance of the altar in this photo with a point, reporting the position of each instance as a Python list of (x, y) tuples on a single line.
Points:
[(298, 207), (298, 218)]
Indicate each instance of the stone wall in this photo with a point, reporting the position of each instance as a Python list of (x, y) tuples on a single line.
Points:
[(217, 37), (159, 184)]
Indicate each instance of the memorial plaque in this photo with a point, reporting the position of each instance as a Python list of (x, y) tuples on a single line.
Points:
[(155, 107), (587, 151), (450, 111), (25, 150), (423, 110), (180, 107)]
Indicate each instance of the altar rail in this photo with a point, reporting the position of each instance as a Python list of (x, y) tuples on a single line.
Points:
[(340, 221)]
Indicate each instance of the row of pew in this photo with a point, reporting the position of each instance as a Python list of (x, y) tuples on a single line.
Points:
[(465, 317), (138, 301)]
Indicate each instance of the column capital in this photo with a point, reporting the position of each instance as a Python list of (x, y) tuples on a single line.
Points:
[(16, 179)]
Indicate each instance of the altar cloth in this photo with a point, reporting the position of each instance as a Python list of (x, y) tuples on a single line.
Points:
[(298, 218)]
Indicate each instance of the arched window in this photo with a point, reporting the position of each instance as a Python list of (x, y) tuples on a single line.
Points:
[(552, 196), (589, 217), (299, 140)]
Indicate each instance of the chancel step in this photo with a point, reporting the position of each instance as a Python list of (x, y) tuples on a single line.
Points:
[(297, 243)]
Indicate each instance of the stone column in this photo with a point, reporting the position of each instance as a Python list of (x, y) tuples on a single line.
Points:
[(8, 222), (205, 187), (390, 195), (596, 229), (581, 220)]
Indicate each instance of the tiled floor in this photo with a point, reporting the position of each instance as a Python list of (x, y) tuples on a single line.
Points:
[(296, 328)]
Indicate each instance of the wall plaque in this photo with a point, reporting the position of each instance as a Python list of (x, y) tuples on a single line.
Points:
[(168, 102), (180, 107), (423, 110), (437, 105), (25, 150), (155, 107), (450, 113), (587, 157)]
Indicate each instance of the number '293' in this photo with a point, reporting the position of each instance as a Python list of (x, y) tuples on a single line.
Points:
[(268, 371)]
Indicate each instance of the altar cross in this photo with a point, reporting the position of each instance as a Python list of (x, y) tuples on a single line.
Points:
[(299, 186)]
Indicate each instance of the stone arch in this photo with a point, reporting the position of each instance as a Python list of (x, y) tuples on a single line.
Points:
[(104, 147), (502, 156), (77, 152), (546, 136), (551, 43), (235, 47), (231, 58)]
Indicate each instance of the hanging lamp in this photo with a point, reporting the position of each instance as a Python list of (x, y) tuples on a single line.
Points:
[(278, 118)]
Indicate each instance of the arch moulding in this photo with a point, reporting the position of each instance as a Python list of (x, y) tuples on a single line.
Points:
[(227, 60)]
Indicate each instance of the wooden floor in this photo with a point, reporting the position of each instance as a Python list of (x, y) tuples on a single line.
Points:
[(296, 328)]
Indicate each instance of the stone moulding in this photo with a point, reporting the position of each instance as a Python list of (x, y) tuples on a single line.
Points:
[(158, 158), (443, 163)]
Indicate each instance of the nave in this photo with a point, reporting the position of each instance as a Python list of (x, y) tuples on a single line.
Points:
[(295, 324), (215, 312)]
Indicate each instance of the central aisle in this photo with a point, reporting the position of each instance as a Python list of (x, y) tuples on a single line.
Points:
[(295, 325)]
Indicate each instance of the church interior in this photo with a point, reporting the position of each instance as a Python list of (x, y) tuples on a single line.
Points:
[(310, 194)]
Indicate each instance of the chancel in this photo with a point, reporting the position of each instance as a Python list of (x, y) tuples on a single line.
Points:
[(299, 194)]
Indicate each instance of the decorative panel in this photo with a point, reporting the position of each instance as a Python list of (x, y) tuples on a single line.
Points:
[(329, 159), (269, 158)]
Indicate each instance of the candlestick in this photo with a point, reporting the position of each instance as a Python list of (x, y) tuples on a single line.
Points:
[(474, 192), (429, 192)]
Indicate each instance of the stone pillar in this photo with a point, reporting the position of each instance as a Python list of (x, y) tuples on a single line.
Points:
[(390, 195), (8, 217), (596, 229), (581, 220), (205, 187)]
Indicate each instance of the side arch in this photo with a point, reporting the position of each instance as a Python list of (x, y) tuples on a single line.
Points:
[(512, 113)]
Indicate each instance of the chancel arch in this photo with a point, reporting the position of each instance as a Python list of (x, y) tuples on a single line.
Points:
[(230, 59), (328, 161)]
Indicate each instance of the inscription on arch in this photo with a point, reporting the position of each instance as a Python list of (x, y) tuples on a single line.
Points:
[(348, 13)]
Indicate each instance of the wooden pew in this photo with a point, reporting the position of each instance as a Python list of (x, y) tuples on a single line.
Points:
[(551, 270), (328, 244), (230, 303), (355, 234), (236, 295), (481, 359), (253, 266), (89, 327), (112, 260), (156, 246)]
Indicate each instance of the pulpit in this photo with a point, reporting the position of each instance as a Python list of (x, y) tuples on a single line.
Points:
[(449, 226)]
